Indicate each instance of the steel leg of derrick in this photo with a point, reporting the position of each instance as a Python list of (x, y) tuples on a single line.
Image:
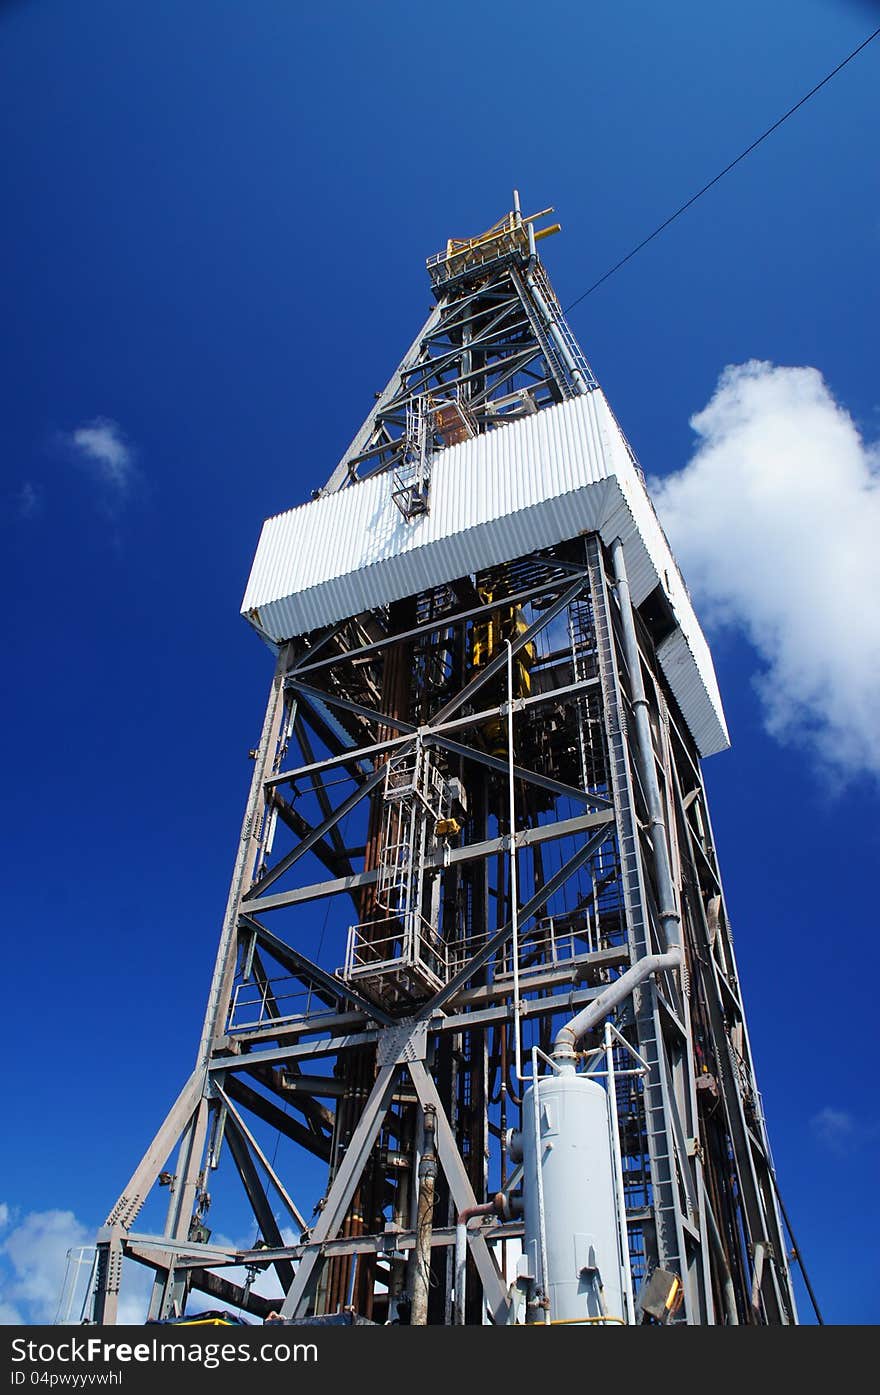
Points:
[(343, 1187)]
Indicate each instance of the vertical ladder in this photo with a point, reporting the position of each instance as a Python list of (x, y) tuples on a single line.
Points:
[(555, 361), (574, 348)]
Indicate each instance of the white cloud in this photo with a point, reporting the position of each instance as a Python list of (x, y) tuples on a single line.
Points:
[(134, 1293), (33, 1260), (102, 447), (842, 1131), (835, 1128), (35, 1276), (775, 521)]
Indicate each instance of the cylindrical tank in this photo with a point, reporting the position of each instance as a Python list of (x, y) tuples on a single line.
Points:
[(580, 1215)]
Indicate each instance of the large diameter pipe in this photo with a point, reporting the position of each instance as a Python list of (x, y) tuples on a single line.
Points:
[(577, 376), (424, 1223), (514, 886), (668, 910)]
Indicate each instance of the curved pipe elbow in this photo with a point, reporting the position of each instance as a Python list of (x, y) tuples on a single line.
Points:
[(498, 1206), (568, 1036)]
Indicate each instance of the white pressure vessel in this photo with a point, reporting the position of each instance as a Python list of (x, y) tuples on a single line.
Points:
[(583, 1277)]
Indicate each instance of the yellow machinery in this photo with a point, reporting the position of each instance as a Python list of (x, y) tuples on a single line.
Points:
[(509, 234), (487, 638)]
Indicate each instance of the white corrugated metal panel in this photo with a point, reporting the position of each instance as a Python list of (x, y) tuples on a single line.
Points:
[(684, 655), (527, 485), (322, 545)]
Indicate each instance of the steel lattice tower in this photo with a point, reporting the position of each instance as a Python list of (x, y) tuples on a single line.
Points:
[(480, 752)]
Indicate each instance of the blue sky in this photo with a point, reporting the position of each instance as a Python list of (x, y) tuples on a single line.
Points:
[(215, 222)]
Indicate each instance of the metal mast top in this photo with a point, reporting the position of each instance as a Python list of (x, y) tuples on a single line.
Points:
[(496, 344)]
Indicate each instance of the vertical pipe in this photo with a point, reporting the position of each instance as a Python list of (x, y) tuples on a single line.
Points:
[(551, 322), (352, 1281), (667, 909), (424, 1223), (626, 1268), (721, 1256), (539, 1181), (514, 889), (460, 1273)]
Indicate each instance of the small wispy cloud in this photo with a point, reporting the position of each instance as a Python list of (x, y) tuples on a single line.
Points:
[(841, 1131), (29, 500), (775, 521), (100, 446), (834, 1128)]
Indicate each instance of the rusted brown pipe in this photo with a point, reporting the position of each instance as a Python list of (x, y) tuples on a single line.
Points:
[(424, 1223)]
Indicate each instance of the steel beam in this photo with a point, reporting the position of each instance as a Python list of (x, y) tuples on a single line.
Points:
[(473, 719), (341, 475), (290, 1206), (446, 857), (256, 1194), (494, 943), (440, 622), (529, 777), (284, 865), (270, 1113), (497, 666), (303, 967), (148, 1169)]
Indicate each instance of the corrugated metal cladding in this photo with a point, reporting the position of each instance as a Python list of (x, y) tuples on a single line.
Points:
[(530, 484)]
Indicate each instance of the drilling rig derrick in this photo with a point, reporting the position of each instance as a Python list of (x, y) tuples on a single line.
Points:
[(476, 964)]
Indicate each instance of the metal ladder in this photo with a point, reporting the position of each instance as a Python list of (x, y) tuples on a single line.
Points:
[(544, 338), (571, 343)]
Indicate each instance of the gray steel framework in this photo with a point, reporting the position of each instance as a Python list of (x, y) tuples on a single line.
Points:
[(348, 1073)]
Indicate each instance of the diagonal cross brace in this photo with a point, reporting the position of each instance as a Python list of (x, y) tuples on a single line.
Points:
[(462, 1192), (291, 1207), (348, 705), (499, 663), (349, 1174), (491, 947), (268, 878), (530, 777), (256, 1194), (300, 964), (343, 1188), (395, 384)]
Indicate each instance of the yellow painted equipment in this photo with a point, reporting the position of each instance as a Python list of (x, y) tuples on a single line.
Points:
[(488, 636), (509, 234)]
